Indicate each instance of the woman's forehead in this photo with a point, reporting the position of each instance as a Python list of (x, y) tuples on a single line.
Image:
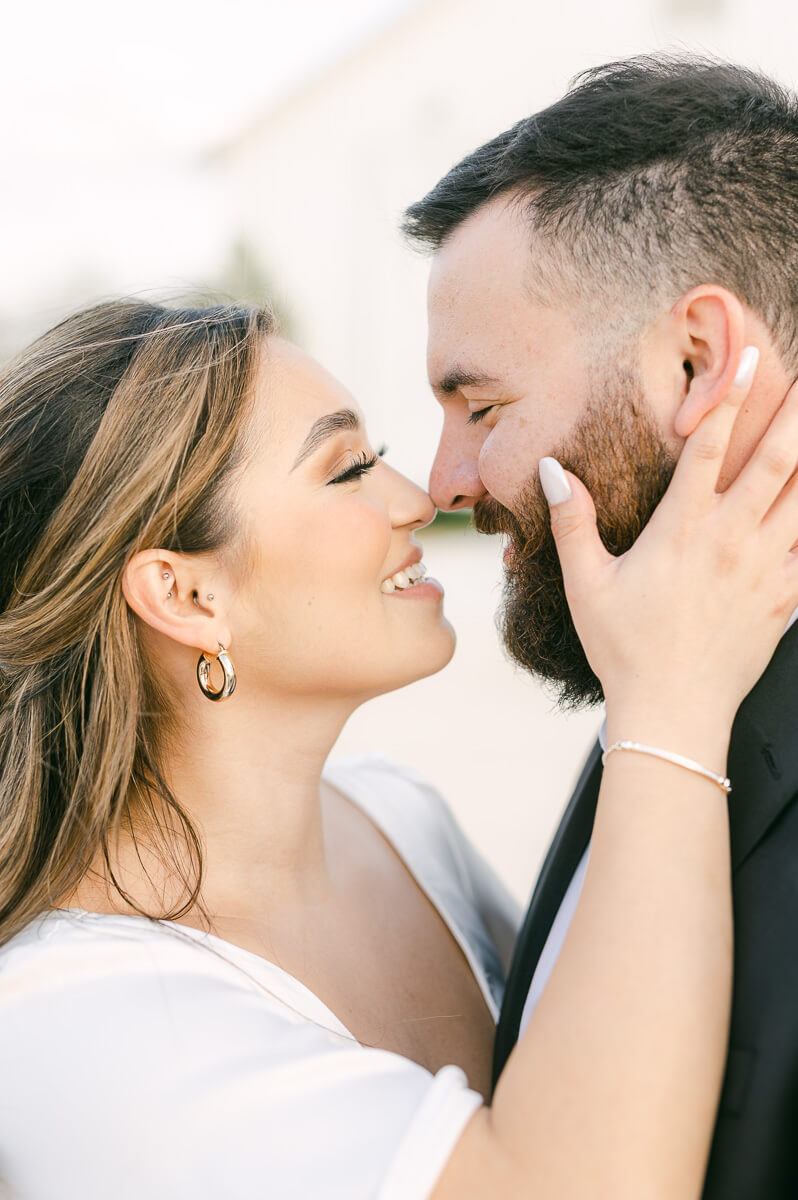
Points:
[(297, 387), (293, 392)]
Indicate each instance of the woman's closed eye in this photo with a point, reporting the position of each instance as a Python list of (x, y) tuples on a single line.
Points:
[(362, 464)]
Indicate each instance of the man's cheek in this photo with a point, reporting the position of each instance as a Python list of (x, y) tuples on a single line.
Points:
[(505, 467)]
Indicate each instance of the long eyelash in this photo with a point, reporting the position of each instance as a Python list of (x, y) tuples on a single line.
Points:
[(477, 416), (361, 466)]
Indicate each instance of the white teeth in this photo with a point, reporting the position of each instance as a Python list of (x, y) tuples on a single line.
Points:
[(404, 579)]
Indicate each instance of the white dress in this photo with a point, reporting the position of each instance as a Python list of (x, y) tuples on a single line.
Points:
[(145, 1060)]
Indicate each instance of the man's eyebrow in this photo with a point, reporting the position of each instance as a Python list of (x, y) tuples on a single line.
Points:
[(325, 428), (460, 377)]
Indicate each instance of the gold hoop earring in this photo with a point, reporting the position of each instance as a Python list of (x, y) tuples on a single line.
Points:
[(204, 675)]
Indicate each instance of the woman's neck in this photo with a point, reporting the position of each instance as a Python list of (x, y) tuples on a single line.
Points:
[(249, 779)]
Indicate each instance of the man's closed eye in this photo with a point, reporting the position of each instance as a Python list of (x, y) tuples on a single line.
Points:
[(479, 413)]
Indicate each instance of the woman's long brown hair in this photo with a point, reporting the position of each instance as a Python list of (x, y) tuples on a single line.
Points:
[(122, 428)]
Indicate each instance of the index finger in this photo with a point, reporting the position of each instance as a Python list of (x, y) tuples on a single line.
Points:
[(704, 451)]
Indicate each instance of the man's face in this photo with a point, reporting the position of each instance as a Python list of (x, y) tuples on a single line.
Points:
[(490, 344), (518, 380)]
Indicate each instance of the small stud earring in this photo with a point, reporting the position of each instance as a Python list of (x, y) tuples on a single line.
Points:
[(168, 595), (166, 574), (210, 595)]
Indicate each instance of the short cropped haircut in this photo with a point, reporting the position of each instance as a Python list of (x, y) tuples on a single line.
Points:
[(649, 177)]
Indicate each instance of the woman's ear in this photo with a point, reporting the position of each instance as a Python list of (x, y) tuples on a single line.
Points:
[(711, 336), (167, 592)]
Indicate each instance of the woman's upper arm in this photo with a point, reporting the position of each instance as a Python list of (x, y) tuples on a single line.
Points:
[(424, 827), (500, 911)]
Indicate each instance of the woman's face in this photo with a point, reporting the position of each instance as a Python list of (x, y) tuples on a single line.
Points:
[(329, 523)]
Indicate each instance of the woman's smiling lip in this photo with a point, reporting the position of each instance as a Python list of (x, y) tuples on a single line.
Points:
[(414, 558), (417, 584), (426, 587)]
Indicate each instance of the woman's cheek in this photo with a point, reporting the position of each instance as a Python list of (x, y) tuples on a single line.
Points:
[(348, 539), (360, 532)]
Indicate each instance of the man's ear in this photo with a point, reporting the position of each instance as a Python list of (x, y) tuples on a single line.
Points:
[(710, 332), (167, 592)]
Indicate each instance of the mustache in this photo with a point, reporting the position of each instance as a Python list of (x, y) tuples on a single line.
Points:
[(528, 534), (489, 516)]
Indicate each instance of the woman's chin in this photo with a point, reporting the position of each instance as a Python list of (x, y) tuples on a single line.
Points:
[(427, 656)]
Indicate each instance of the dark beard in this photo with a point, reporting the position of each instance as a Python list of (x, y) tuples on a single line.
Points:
[(619, 454)]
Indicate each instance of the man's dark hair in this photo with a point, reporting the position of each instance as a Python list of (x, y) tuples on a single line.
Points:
[(649, 177)]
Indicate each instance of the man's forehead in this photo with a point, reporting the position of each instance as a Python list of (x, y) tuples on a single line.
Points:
[(489, 251), (474, 345), (484, 320), (477, 307)]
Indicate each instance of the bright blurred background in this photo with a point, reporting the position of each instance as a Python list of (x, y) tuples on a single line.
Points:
[(268, 150)]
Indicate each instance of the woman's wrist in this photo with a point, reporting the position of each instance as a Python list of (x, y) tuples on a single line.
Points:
[(699, 733)]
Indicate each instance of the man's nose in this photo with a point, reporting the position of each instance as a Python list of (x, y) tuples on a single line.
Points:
[(454, 480)]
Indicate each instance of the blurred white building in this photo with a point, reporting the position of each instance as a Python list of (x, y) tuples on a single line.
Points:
[(318, 183), (317, 186)]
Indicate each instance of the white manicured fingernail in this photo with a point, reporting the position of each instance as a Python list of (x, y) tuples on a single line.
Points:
[(554, 481), (745, 371)]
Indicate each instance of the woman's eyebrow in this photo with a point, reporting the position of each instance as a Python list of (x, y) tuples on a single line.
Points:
[(326, 427)]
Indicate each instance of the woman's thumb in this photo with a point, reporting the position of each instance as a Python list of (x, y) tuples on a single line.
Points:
[(573, 522)]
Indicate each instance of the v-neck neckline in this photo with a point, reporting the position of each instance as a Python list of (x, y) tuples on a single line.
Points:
[(289, 982)]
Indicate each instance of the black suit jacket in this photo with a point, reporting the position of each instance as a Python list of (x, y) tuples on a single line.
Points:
[(754, 1152)]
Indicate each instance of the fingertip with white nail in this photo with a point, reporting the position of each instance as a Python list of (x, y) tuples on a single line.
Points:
[(746, 367), (554, 481)]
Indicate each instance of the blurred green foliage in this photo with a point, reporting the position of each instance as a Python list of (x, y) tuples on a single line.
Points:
[(450, 522), (243, 278)]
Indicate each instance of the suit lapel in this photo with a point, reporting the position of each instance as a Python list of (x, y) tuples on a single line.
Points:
[(569, 845), (763, 756)]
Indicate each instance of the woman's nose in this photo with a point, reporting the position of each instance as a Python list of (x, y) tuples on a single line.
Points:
[(409, 504), (423, 508)]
